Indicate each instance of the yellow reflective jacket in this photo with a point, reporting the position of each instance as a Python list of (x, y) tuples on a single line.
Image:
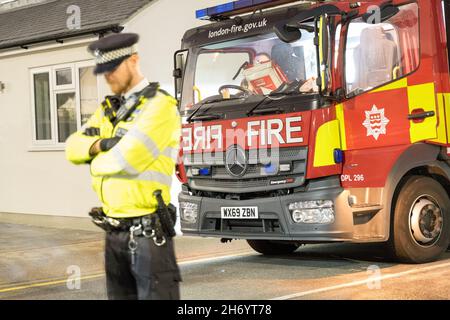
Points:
[(126, 176)]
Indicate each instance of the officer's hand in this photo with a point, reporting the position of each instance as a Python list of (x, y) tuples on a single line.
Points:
[(108, 144), (95, 148), (92, 132)]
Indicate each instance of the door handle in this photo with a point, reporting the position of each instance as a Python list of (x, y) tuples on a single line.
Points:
[(420, 115)]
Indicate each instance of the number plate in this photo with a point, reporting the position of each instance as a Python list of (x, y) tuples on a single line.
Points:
[(239, 213)]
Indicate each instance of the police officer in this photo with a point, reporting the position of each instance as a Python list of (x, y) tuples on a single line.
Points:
[(131, 143)]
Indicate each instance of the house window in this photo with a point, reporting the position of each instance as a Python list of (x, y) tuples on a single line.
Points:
[(88, 93), (64, 98), (66, 115), (41, 84), (64, 77)]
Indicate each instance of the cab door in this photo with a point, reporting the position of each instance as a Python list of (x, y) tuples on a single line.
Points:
[(392, 101), (443, 29)]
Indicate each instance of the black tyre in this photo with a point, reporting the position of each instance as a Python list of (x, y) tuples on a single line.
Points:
[(421, 223), (267, 247)]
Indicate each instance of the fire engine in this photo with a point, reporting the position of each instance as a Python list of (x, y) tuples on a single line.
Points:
[(315, 122)]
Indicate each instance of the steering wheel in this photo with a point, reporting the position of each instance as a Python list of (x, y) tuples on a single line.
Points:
[(232, 86)]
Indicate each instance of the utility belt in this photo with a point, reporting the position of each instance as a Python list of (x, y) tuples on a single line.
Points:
[(124, 224), (158, 226)]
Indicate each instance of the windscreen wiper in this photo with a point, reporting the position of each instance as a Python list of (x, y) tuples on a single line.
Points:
[(207, 117), (284, 93), (287, 89), (253, 110), (271, 110), (278, 94), (193, 117)]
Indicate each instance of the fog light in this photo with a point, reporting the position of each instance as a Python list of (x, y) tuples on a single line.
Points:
[(189, 212), (286, 167), (271, 168), (312, 212), (195, 171), (205, 171)]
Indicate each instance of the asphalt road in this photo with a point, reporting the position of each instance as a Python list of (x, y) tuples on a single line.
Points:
[(38, 263)]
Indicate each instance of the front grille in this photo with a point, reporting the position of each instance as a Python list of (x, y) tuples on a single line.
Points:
[(221, 171), (254, 157), (254, 179), (208, 183)]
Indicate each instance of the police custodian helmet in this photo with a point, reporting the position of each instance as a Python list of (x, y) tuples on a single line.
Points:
[(111, 51)]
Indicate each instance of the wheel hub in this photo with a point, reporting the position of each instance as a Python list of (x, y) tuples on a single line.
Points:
[(426, 221)]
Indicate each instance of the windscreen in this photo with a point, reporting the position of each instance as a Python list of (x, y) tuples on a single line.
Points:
[(258, 65)]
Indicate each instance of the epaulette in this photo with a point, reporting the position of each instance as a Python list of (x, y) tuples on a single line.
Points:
[(150, 91)]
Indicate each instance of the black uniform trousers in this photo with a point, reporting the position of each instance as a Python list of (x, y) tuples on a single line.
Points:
[(154, 275)]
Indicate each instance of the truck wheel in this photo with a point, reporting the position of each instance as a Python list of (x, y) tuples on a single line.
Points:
[(268, 248), (421, 224)]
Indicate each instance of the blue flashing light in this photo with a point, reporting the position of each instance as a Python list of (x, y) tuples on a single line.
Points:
[(229, 7), (202, 14), (338, 156), (242, 4), (271, 168), (205, 171), (223, 8)]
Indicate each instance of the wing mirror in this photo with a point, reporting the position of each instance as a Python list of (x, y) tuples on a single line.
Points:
[(287, 33), (180, 58)]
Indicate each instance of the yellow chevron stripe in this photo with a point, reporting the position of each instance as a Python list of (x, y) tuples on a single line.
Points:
[(402, 83), (447, 113), (327, 140), (423, 96), (341, 118), (442, 127)]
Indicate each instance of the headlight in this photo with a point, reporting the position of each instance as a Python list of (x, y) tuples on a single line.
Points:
[(189, 212), (312, 212), (311, 204)]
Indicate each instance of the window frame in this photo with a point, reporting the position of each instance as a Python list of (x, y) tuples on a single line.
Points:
[(37, 142), (344, 70), (54, 144), (55, 94), (72, 73)]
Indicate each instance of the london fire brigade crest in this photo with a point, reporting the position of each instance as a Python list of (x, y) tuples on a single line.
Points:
[(375, 122)]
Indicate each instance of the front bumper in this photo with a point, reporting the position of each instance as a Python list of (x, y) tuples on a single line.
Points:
[(275, 221)]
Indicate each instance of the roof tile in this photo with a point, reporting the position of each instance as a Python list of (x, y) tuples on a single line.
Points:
[(48, 21)]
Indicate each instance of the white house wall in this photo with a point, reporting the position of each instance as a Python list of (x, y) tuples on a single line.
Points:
[(36, 182), (44, 182)]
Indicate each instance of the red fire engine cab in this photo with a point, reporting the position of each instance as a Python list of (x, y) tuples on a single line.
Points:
[(318, 121)]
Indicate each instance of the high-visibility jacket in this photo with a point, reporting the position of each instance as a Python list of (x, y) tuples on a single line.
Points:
[(143, 161)]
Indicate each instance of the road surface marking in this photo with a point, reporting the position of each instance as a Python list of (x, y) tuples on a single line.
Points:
[(50, 283), (100, 275), (362, 282), (214, 259)]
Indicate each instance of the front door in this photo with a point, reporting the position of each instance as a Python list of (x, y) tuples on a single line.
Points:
[(392, 99)]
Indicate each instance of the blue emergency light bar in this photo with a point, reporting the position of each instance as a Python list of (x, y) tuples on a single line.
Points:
[(237, 7)]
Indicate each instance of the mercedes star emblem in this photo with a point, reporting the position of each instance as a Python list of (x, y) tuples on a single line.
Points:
[(236, 161)]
